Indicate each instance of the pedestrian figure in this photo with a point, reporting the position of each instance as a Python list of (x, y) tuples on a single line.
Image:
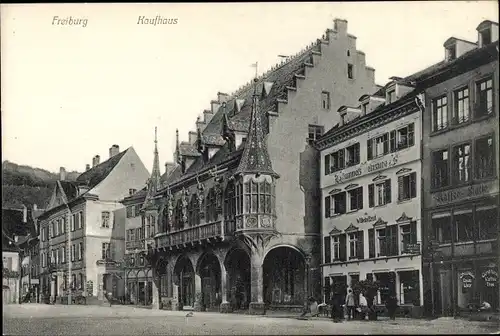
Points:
[(337, 309), (350, 304), (363, 306), (391, 304), (109, 296)]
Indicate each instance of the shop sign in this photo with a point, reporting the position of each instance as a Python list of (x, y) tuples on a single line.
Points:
[(366, 219), (460, 194), (490, 278), (412, 248), (366, 168), (467, 278)]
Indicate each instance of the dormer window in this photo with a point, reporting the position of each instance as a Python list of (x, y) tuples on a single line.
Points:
[(391, 96), (364, 107), (451, 53), (485, 37)]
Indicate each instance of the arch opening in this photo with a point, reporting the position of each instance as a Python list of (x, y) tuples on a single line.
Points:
[(184, 279), (210, 273), (238, 269)]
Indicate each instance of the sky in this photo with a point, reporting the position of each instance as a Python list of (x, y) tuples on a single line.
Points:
[(70, 92)]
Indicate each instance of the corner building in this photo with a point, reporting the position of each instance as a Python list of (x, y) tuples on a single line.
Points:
[(370, 187), (239, 226), (460, 175)]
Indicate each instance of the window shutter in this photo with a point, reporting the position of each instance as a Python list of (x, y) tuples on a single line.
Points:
[(392, 138), (328, 249), (360, 248), (327, 164), (371, 243), (386, 143), (413, 232), (413, 185), (343, 248), (369, 149), (360, 198), (400, 188), (327, 207), (388, 191), (393, 229), (371, 195), (341, 159)]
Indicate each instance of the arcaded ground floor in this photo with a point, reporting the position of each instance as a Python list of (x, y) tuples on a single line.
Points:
[(234, 278), (38, 319)]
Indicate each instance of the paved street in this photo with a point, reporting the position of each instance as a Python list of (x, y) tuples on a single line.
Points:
[(38, 319)]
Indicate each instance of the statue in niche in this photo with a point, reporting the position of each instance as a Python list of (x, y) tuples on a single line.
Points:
[(185, 202)]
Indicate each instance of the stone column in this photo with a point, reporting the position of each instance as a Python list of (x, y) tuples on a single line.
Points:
[(225, 306), (421, 287), (155, 283), (257, 306), (52, 289), (100, 286), (398, 287), (198, 295)]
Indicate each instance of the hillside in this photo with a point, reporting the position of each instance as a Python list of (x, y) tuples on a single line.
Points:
[(28, 185)]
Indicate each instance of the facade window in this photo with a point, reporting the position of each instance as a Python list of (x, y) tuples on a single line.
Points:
[(407, 187), (461, 110), (405, 137), (379, 193), (314, 132), (336, 248), (137, 210), (408, 235), (131, 191), (106, 251), (464, 226), (325, 100), (461, 163), (355, 247), (56, 227), (439, 113), (484, 98), (73, 219), (380, 243), (130, 210), (258, 197), (451, 53), (335, 204), (378, 146), (194, 211), (82, 281), (487, 221), (80, 251), (440, 169), (178, 221), (73, 252), (211, 206), (350, 71), (355, 199), (364, 108), (441, 224), (238, 198), (485, 37), (73, 281), (352, 155), (485, 157), (105, 219), (65, 282), (63, 254)]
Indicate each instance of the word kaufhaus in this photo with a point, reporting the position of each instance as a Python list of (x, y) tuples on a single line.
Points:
[(154, 21), (69, 21)]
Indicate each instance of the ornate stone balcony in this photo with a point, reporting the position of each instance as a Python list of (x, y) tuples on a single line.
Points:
[(213, 231)]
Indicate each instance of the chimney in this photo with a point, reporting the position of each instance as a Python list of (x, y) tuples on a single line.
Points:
[(193, 136), (340, 26), (87, 167), (96, 160), (222, 97), (62, 174), (113, 150), (169, 167)]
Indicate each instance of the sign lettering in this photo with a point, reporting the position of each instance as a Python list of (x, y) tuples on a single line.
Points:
[(467, 278), (490, 278), (366, 219), (461, 193), (366, 168), (412, 248)]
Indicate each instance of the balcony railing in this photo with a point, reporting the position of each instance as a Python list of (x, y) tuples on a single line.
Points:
[(190, 235), (134, 244)]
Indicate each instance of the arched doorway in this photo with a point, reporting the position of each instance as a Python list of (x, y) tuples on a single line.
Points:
[(284, 277), (184, 274), (210, 274), (238, 268)]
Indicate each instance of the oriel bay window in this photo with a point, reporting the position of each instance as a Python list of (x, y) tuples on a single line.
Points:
[(461, 163), (407, 187), (259, 197), (440, 169), (379, 193), (229, 201), (484, 155)]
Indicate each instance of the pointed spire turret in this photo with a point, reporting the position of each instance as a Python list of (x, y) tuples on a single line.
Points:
[(226, 131), (255, 158), (154, 182), (177, 154)]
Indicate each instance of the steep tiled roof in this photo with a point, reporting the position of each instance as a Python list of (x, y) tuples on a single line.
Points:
[(12, 225), (70, 189), (138, 195), (97, 174), (185, 148)]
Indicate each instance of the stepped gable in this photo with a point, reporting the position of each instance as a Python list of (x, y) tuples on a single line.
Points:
[(282, 76), (97, 174)]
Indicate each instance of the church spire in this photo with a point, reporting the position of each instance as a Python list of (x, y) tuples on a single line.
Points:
[(177, 155), (154, 182), (255, 158)]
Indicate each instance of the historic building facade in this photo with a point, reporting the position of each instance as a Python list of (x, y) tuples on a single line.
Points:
[(370, 187), (82, 232), (238, 216), (140, 229), (460, 175)]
